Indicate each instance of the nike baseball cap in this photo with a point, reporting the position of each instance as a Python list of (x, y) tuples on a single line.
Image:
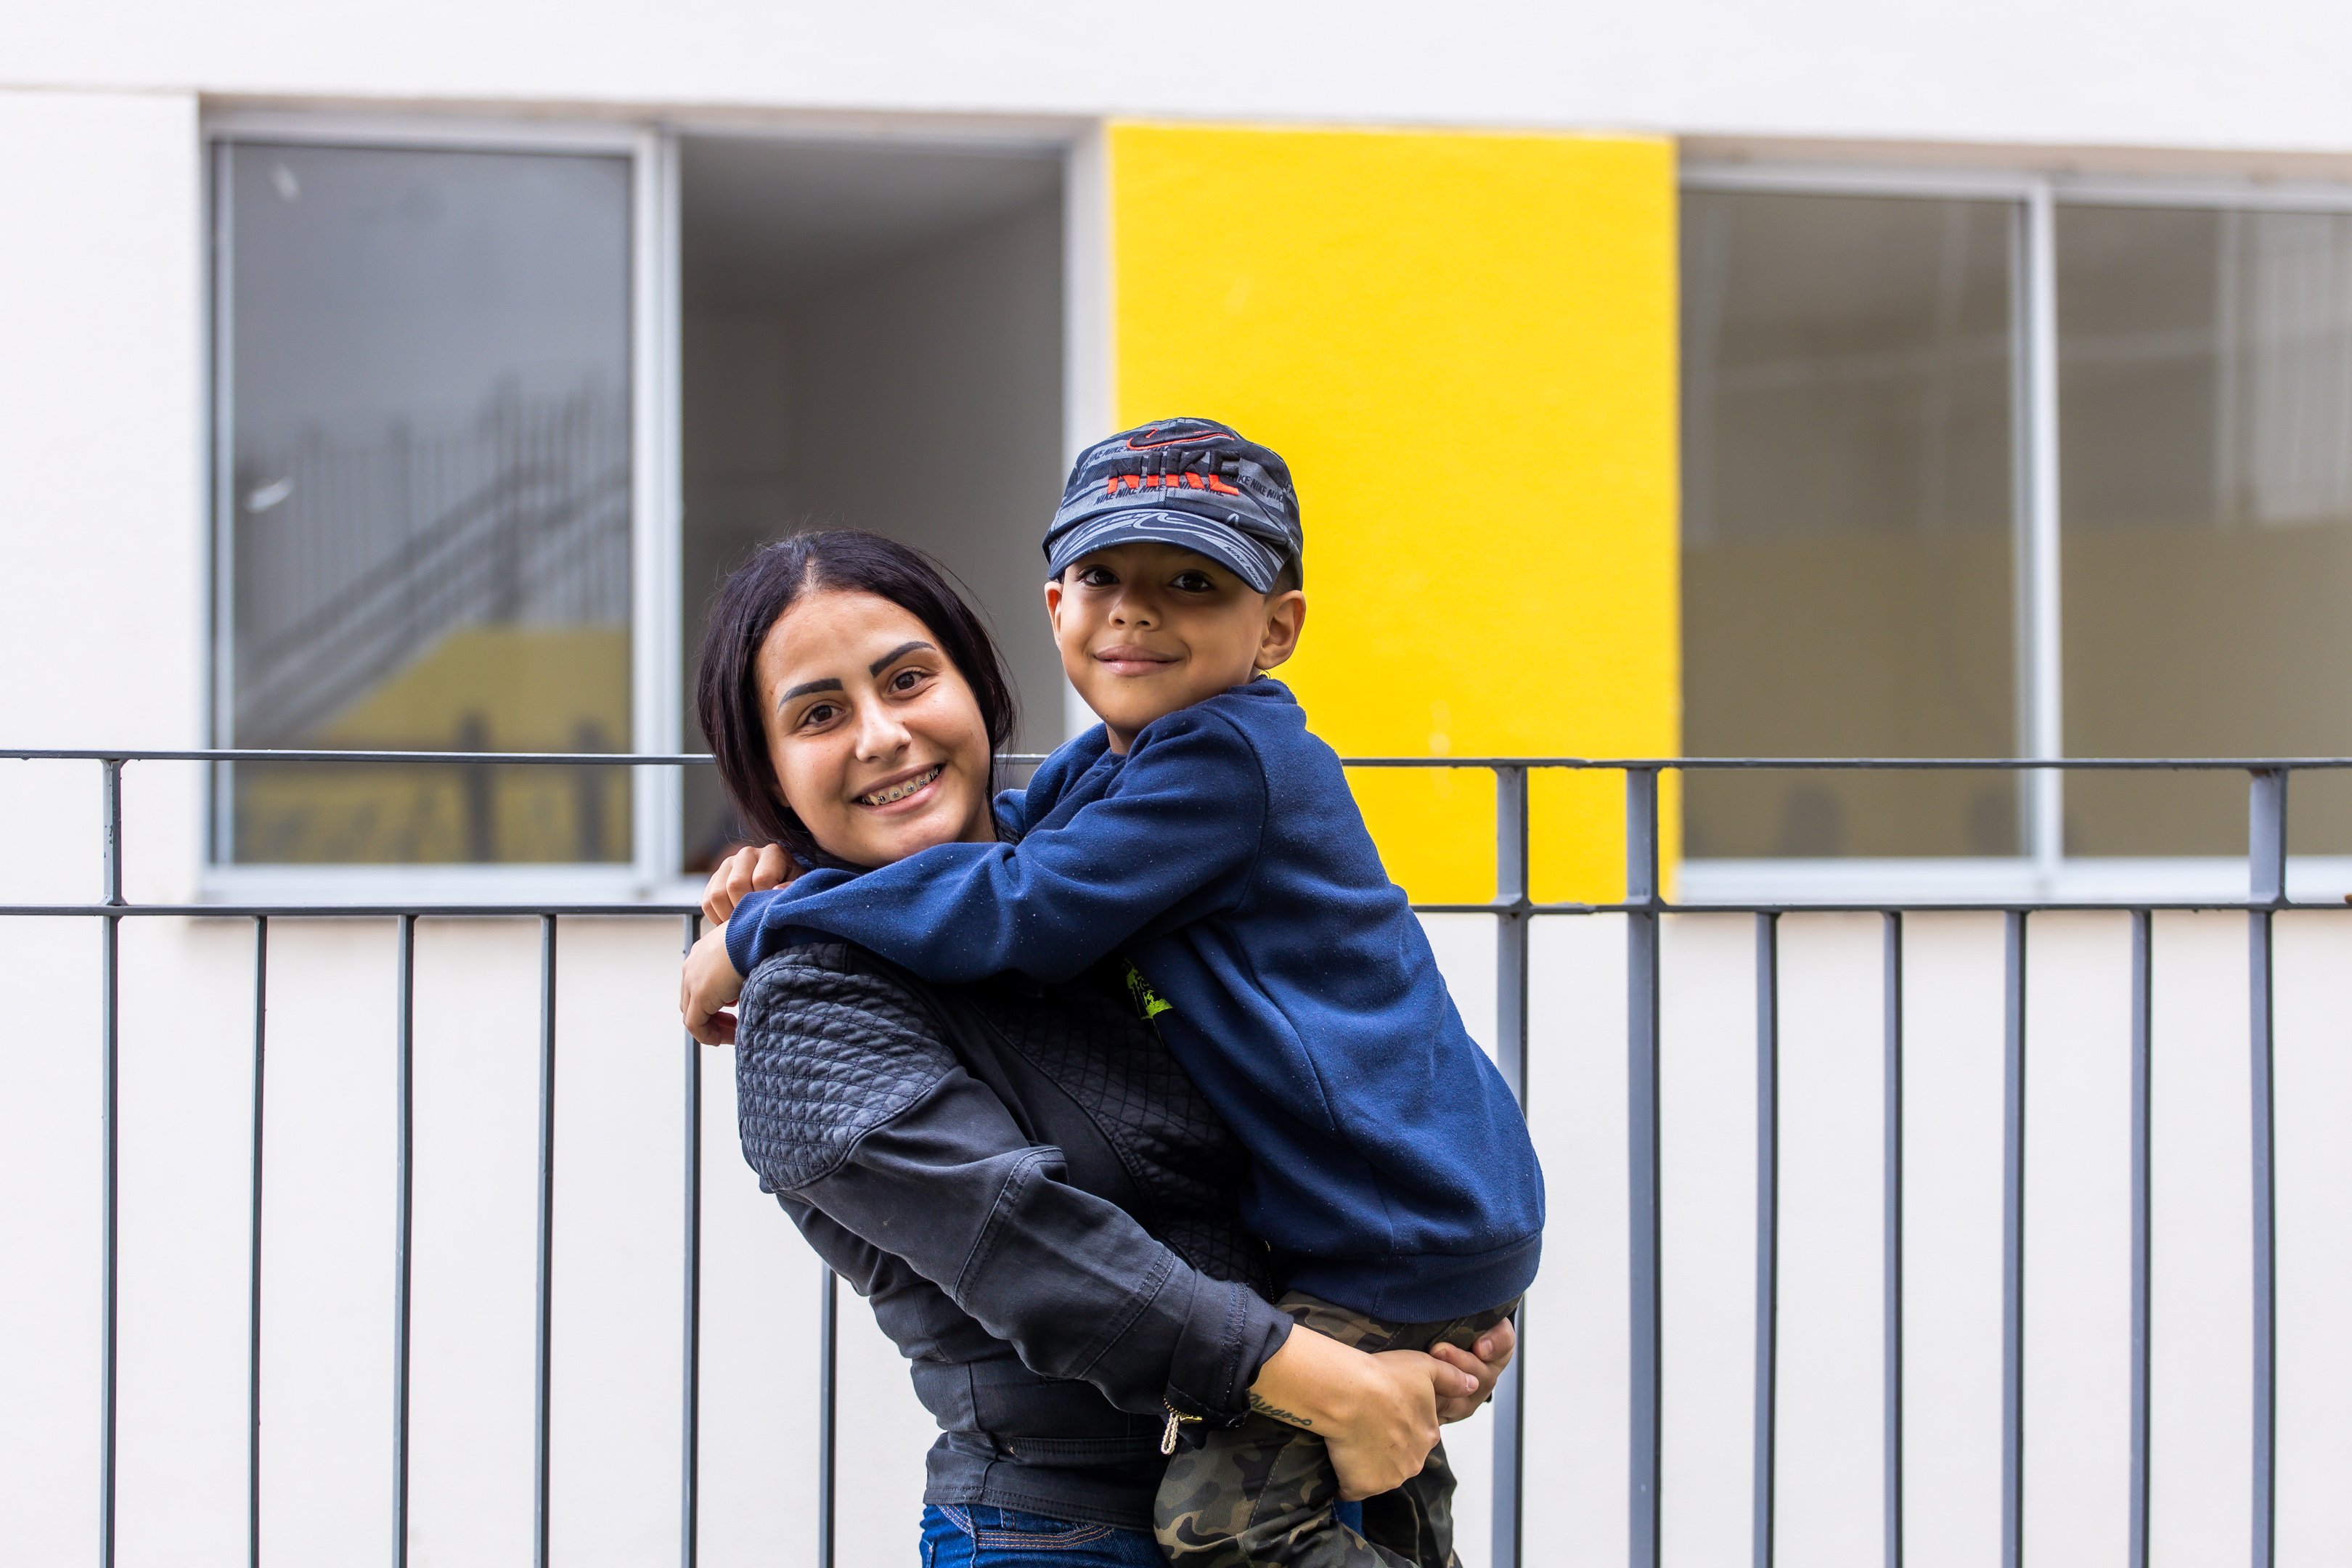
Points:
[(1192, 482)]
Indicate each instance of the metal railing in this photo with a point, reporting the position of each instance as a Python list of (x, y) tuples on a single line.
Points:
[(1514, 908)]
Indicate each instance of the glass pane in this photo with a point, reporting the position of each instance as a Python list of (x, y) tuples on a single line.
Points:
[(1846, 519), (2205, 412), (428, 494)]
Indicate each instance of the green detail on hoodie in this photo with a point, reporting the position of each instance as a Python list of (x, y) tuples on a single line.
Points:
[(1148, 1002)]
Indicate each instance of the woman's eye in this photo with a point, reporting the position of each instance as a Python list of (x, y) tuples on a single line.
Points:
[(822, 713), (905, 681)]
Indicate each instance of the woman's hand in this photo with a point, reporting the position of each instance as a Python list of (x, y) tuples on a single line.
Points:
[(1484, 1360), (707, 984), (754, 868), (1376, 1414)]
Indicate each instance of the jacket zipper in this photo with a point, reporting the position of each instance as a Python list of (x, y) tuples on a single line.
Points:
[(1167, 1437)]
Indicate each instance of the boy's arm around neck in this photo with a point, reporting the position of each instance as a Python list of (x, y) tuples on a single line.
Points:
[(1175, 837), (1018, 810)]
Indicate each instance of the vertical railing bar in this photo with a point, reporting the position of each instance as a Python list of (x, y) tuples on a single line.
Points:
[(110, 807), (2266, 874), (827, 1393), (2012, 1245), (2142, 1232), (691, 1415), (544, 1328), (2266, 836), (253, 1256), (2040, 558), (1511, 941), (404, 1117), (110, 1014), (1767, 1232), (1643, 1174), (1891, 1290)]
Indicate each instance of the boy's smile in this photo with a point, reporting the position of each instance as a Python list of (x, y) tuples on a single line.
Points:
[(1146, 629)]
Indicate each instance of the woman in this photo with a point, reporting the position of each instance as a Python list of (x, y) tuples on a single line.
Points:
[(1034, 1196)]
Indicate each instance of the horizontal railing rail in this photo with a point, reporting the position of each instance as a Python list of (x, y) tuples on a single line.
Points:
[(1513, 907), (1031, 759)]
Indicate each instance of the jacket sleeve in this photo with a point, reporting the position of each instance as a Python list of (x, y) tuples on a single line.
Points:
[(1174, 837), (851, 1104)]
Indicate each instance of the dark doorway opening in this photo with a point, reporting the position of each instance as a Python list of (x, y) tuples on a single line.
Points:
[(872, 338)]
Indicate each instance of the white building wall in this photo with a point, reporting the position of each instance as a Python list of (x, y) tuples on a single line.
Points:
[(2195, 73), (101, 431)]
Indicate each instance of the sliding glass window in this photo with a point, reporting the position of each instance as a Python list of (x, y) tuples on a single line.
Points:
[(1863, 547), (1848, 375), (2206, 401), (422, 499)]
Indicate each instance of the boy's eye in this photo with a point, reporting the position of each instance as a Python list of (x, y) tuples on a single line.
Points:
[(1097, 576), (1194, 582)]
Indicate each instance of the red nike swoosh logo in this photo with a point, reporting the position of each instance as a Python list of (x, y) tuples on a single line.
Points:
[(1137, 444)]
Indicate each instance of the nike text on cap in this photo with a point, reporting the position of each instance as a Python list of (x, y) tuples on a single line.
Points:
[(1191, 482)]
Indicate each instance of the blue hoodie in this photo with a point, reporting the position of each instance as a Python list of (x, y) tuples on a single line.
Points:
[(1224, 856)]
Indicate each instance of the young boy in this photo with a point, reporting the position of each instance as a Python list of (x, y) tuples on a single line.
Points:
[(1205, 835)]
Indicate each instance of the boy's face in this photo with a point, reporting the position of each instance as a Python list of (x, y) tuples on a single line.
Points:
[(1146, 628)]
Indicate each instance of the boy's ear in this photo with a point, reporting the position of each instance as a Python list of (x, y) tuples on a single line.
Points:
[(1285, 617), (1054, 600)]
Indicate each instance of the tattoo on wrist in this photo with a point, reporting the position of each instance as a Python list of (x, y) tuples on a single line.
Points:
[(1277, 1411)]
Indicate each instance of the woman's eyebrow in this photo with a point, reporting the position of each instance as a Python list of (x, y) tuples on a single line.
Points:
[(894, 655), (804, 688)]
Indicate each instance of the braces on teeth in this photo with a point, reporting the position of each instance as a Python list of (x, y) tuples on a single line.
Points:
[(900, 792)]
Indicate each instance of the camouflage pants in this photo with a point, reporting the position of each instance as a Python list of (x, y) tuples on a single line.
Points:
[(1263, 1493)]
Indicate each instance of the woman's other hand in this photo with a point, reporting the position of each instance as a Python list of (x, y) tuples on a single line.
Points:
[(1396, 1426), (707, 984), (754, 868), (1377, 1414), (1484, 1360)]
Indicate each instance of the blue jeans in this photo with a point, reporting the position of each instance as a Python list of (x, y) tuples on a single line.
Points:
[(978, 1535), (974, 1535)]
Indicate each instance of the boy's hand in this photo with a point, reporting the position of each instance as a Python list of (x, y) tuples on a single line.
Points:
[(707, 984), (754, 868), (1484, 1360)]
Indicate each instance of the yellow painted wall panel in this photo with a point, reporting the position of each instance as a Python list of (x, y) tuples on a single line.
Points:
[(1463, 343)]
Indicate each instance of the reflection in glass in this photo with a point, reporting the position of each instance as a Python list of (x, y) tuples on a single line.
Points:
[(427, 498), (2206, 405), (1847, 500)]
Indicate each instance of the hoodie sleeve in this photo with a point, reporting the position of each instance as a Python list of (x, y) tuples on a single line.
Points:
[(1174, 837)]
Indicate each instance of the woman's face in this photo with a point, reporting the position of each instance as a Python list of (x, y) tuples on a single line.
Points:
[(875, 735)]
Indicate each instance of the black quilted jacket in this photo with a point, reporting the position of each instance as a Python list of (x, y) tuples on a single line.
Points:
[(1037, 1202)]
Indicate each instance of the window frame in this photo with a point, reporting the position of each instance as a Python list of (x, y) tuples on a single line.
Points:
[(652, 873), (655, 507), (2042, 870)]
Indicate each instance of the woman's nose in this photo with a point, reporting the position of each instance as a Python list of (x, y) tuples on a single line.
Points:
[(879, 733)]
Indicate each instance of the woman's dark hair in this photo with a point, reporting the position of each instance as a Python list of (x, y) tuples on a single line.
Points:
[(750, 603)]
